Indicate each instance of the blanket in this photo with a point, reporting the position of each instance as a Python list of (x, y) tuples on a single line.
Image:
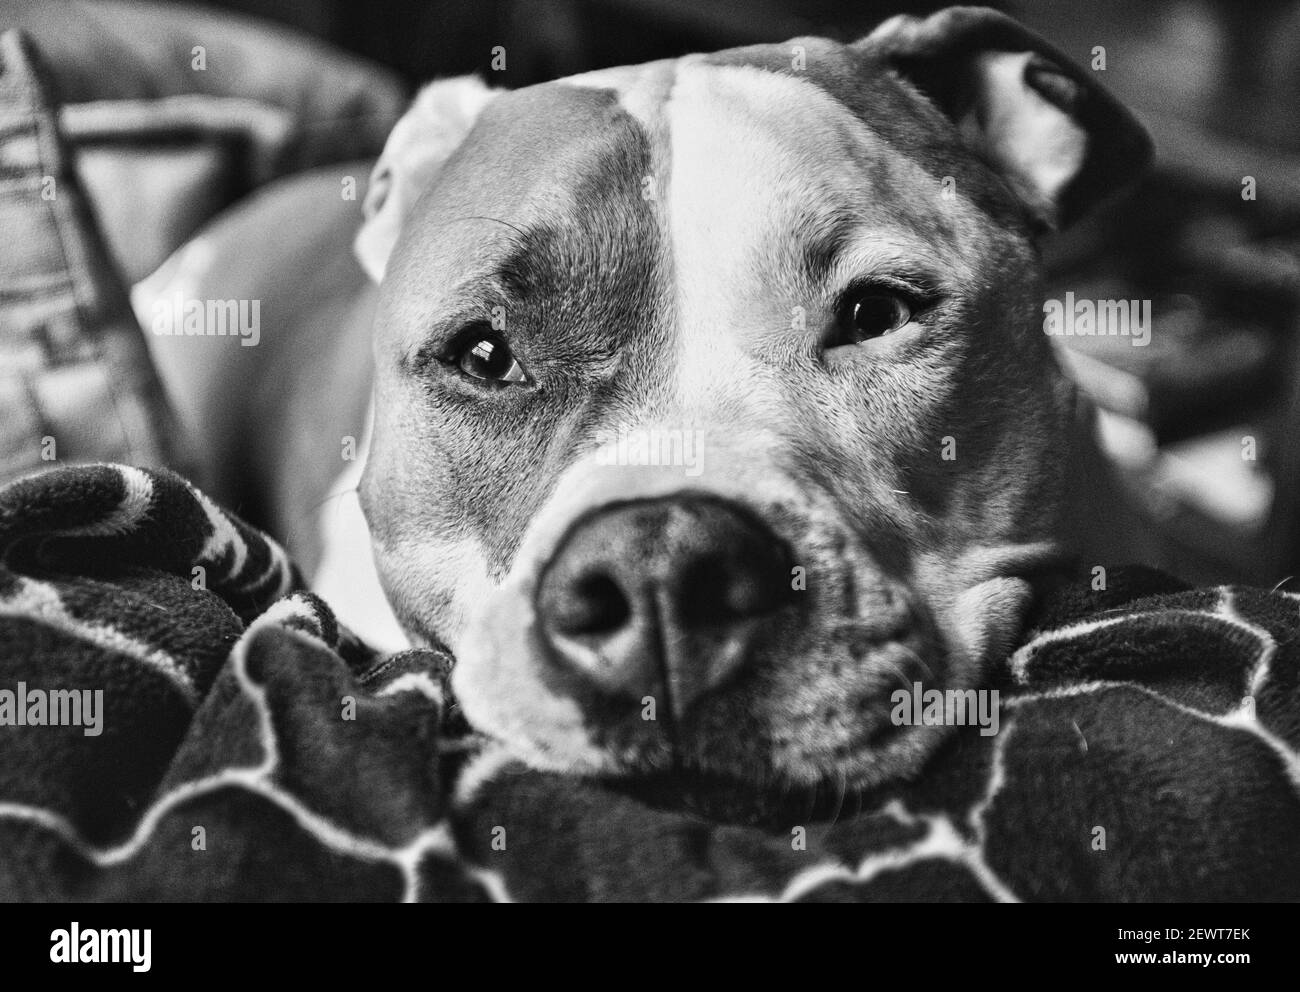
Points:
[(181, 720)]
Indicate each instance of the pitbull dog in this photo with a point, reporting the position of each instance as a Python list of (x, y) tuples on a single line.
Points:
[(815, 261), (712, 403)]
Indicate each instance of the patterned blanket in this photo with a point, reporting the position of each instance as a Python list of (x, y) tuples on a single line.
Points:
[(180, 721)]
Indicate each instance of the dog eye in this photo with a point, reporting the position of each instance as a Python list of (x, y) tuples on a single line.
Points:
[(872, 313), (487, 356)]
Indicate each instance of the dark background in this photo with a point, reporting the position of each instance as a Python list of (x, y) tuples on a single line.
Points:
[(1232, 64)]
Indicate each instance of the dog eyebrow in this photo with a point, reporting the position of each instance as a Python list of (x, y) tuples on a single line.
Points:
[(520, 271), (512, 266), (495, 220), (519, 266), (823, 237), (515, 268)]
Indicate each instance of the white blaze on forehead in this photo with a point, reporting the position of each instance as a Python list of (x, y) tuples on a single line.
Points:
[(752, 152), (737, 137), (641, 89)]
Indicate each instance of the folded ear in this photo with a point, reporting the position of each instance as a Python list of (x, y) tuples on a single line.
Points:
[(434, 126), (1060, 140)]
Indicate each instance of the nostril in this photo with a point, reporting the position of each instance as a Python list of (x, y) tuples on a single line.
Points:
[(754, 593), (722, 588), (595, 604)]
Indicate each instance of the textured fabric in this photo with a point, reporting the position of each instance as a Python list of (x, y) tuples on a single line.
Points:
[(248, 748), (76, 382)]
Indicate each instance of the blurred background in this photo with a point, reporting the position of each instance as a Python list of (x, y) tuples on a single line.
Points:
[(1202, 423)]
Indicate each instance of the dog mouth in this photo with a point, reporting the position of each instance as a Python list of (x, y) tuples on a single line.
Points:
[(773, 772), (741, 757), (797, 734), (823, 723), (731, 800)]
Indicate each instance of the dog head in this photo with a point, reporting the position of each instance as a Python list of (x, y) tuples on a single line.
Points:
[(713, 402)]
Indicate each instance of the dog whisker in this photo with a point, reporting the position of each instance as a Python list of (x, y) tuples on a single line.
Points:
[(495, 220), (902, 676), (916, 657), (331, 497), (841, 790)]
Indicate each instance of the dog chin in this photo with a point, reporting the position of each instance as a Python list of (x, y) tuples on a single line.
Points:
[(759, 793), (723, 776)]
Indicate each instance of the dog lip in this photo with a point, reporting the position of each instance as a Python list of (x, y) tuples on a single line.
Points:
[(726, 799), (712, 797), (691, 741)]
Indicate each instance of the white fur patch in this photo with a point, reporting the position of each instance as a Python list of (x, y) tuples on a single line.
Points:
[(346, 577), (641, 88)]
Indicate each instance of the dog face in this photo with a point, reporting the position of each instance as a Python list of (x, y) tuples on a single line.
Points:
[(712, 401)]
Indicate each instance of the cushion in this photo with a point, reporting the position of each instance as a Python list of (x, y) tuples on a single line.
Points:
[(245, 746), (76, 381)]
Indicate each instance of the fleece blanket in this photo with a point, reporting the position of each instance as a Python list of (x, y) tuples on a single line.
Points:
[(179, 720)]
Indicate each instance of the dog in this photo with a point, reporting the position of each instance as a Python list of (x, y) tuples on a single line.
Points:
[(711, 398)]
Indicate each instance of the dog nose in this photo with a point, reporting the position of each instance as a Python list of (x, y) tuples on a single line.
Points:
[(663, 594)]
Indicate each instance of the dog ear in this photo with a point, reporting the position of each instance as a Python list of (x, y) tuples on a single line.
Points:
[(1059, 139), (434, 126)]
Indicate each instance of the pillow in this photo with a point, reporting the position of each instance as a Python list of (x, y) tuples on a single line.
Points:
[(175, 112), (76, 381)]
